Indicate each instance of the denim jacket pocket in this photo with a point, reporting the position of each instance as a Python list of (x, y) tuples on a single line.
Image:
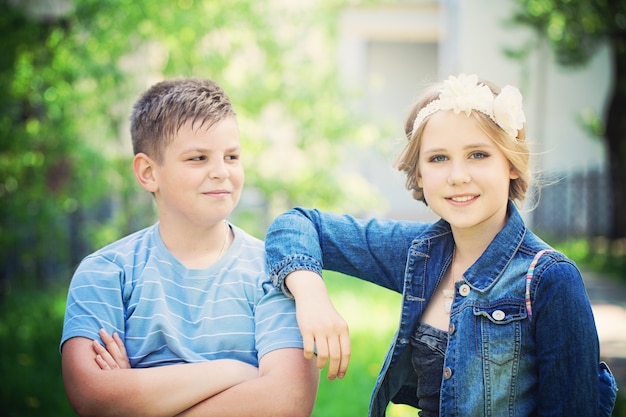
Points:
[(499, 328)]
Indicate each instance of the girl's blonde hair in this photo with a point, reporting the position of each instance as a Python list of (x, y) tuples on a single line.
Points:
[(515, 150)]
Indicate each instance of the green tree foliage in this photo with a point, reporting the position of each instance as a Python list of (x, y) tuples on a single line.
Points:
[(70, 70), (575, 29)]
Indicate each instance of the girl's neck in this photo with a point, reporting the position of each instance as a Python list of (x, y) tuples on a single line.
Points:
[(470, 246), (472, 242)]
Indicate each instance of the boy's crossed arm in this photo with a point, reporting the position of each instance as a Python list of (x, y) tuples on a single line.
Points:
[(99, 382)]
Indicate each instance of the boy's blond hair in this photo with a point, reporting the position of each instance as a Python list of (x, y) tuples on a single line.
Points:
[(164, 108)]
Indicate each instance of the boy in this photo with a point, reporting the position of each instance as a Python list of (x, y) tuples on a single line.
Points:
[(197, 327)]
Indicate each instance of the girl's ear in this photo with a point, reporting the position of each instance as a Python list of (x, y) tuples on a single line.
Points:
[(513, 174), (418, 177), (144, 169)]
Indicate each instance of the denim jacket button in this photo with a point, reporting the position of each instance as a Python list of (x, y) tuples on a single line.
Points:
[(447, 373), (464, 290), (498, 315), (451, 328)]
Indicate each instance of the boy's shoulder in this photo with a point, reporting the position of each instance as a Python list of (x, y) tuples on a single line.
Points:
[(247, 243), (129, 245), (247, 237)]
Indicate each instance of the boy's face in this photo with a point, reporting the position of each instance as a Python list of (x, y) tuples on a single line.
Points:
[(200, 179)]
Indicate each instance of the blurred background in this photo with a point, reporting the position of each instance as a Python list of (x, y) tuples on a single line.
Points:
[(321, 88)]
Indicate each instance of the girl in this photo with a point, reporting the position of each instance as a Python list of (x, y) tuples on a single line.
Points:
[(479, 335)]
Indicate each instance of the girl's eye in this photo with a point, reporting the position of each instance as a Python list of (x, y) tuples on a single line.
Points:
[(438, 158), (197, 158), (232, 157), (478, 155)]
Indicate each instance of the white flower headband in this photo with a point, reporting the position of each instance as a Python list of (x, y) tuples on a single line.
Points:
[(464, 94)]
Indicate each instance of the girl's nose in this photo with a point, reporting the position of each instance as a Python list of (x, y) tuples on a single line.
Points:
[(458, 175)]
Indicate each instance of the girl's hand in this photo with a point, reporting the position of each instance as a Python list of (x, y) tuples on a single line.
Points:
[(113, 354), (322, 327)]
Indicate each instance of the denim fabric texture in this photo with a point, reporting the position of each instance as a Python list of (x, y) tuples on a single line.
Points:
[(497, 362)]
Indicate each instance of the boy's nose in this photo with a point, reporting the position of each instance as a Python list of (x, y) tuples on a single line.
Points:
[(218, 170)]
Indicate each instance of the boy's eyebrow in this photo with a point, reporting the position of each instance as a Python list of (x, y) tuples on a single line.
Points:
[(207, 150), (194, 149)]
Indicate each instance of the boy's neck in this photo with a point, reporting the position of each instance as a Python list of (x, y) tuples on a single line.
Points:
[(197, 248)]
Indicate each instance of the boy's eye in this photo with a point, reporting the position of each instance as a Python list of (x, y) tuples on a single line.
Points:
[(197, 158), (232, 157)]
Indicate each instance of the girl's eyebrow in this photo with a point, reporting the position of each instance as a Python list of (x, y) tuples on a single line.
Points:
[(433, 150), (466, 147)]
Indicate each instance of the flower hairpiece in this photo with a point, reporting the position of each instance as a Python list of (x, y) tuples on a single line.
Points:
[(464, 94)]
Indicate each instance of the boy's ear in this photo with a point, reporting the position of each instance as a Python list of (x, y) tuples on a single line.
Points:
[(143, 167)]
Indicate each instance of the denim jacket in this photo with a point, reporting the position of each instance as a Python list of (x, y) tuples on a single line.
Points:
[(499, 361)]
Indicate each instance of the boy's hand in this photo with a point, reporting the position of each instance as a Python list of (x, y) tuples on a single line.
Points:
[(113, 354), (322, 327)]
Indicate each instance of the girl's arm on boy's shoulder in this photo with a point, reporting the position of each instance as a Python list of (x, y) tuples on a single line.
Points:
[(322, 327), (159, 391), (302, 242), (373, 250)]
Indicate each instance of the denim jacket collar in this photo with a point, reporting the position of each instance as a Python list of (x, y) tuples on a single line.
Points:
[(488, 268), (499, 254)]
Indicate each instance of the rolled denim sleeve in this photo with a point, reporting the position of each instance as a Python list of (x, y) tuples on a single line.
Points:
[(292, 244)]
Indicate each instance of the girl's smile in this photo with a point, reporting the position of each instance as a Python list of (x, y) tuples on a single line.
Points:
[(462, 199)]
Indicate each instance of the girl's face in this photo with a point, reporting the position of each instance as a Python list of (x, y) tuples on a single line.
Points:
[(464, 175)]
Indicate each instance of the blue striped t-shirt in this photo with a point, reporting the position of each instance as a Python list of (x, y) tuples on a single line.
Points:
[(167, 313)]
